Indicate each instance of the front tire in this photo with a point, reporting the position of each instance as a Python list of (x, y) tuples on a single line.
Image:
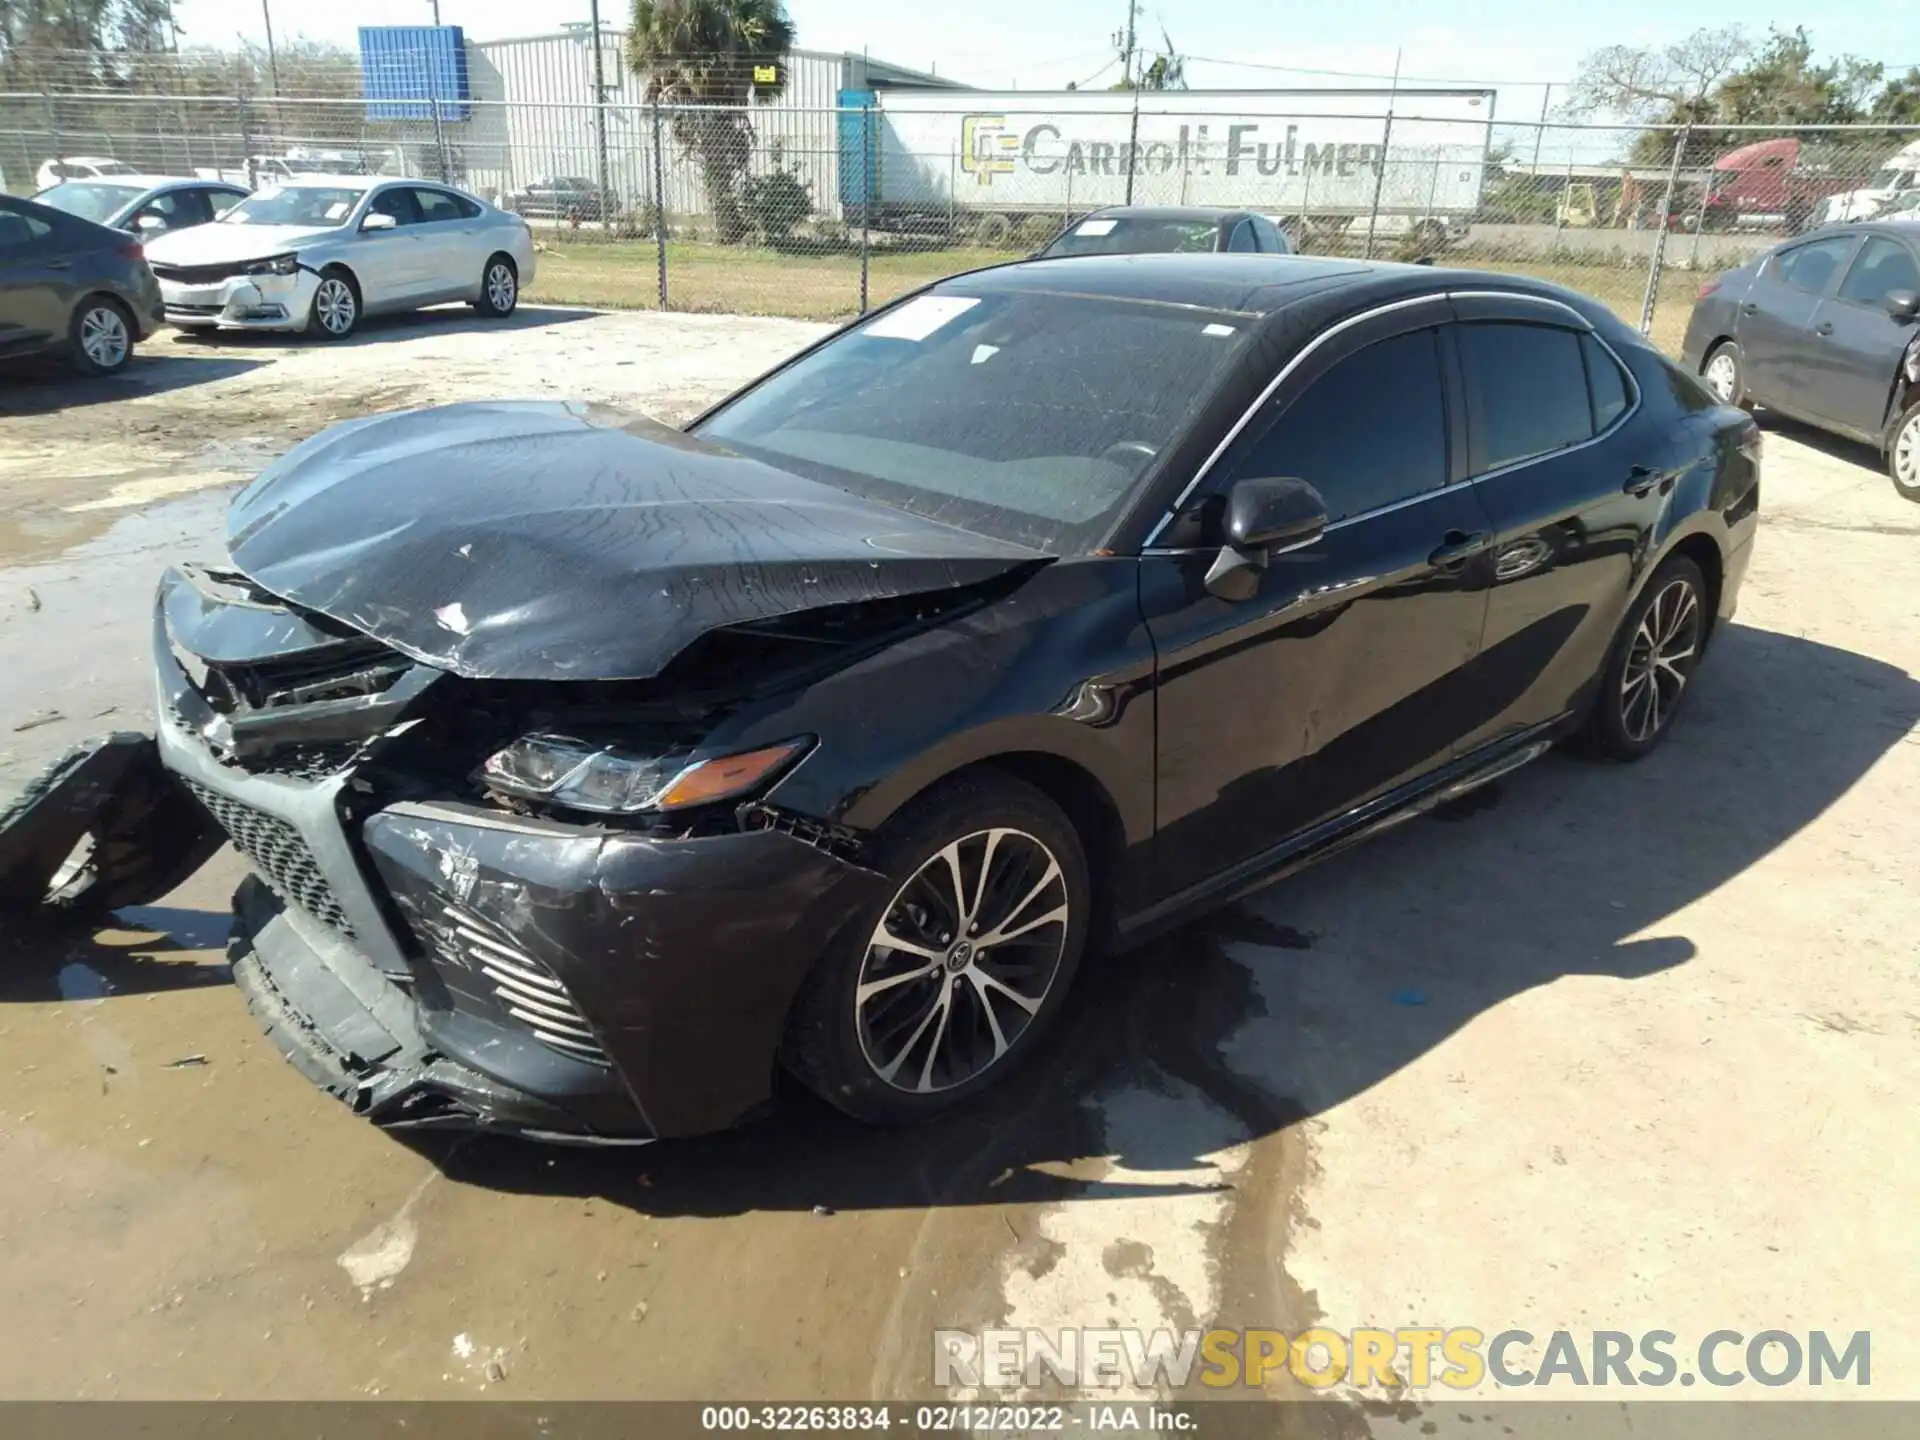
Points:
[(1725, 374), (335, 312), (1903, 454), (100, 336), (1651, 665), (950, 982), (499, 288)]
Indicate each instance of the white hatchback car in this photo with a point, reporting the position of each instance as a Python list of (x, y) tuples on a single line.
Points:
[(318, 252)]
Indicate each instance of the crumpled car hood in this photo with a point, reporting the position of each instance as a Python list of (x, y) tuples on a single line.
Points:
[(547, 541)]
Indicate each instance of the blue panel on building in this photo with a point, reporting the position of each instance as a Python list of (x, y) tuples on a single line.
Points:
[(405, 67), (859, 148)]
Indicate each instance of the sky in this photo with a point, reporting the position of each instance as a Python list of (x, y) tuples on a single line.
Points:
[(1518, 46)]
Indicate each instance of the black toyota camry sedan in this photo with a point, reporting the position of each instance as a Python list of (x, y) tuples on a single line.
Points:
[(591, 771)]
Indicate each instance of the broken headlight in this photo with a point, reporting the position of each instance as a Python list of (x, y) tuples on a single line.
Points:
[(276, 265), (580, 775)]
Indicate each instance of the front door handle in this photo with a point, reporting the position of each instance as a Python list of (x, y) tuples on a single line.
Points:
[(1749, 308), (59, 264), (1456, 547), (1825, 327)]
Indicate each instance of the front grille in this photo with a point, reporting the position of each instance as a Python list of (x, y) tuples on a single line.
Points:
[(197, 274), (276, 850), (526, 989)]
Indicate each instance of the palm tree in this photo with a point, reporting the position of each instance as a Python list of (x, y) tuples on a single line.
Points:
[(719, 54)]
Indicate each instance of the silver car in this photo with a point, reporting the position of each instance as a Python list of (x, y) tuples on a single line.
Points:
[(318, 252), (147, 205)]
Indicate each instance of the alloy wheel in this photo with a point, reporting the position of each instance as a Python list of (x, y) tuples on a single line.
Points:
[(501, 289), (103, 336), (962, 960), (1722, 376), (1906, 454), (1659, 660), (335, 305)]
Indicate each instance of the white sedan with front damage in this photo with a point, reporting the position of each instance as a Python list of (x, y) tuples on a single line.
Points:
[(317, 253)]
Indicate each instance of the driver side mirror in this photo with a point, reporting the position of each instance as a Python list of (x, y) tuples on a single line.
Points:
[(379, 220), (1903, 304), (1263, 516)]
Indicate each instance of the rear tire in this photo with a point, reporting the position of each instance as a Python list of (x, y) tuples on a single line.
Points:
[(1724, 372), (894, 1033), (100, 336), (499, 288), (1651, 664), (1903, 454)]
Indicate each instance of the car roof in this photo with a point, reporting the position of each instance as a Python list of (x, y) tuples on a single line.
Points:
[(1317, 287), (1167, 212), (148, 182)]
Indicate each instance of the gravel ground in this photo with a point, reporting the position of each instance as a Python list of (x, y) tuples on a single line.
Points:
[(1621, 1048)]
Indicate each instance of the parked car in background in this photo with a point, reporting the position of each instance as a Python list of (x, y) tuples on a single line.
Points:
[(1169, 574), (318, 253), (68, 284), (1147, 229), (1825, 329), (563, 197), (79, 167), (1887, 190), (147, 205)]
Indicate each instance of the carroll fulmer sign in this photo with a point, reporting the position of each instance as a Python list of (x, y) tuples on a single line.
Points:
[(989, 147)]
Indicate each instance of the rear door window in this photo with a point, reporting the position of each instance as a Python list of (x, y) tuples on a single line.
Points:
[(438, 205), (1242, 237), (1527, 392), (1370, 432), (1812, 267)]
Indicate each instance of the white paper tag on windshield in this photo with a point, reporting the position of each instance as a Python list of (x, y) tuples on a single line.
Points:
[(1096, 227), (338, 210), (1216, 330), (917, 319)]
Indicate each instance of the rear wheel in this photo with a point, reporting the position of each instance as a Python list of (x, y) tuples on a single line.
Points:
[(1725, 374), (950, 983), (100, 335), (1651, 664), (499, 288), (1903, 455)]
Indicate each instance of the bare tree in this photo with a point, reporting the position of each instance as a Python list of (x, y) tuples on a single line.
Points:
[(1656, 83)]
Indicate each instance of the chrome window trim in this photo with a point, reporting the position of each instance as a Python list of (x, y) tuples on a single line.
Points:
[(1636, 398)]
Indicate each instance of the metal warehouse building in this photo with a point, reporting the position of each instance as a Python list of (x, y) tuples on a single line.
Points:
[(532, 117)]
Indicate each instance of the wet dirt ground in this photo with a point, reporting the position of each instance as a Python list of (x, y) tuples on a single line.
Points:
[(1609, 1047)]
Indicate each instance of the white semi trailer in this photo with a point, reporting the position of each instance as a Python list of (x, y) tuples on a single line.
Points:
[(1316, 160)]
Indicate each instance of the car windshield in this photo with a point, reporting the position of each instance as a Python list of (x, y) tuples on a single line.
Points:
[(295, 205), (1025, 416), (1112, 235), (90, 199)]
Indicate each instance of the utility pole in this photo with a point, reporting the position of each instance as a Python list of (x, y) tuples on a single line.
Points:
[(1546, 94), (600, 118), (1128, 79), (273, 64), (439, 129)]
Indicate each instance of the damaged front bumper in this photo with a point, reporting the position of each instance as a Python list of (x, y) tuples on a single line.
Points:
[(241, 302), (439, 963)]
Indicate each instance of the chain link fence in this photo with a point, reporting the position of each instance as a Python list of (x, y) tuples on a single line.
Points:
[(820, 212)]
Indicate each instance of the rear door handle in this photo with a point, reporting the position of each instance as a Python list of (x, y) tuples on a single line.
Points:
[(59, 264), (1642, 478), (1749, 308), (1456, 547), (1825, 327)]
